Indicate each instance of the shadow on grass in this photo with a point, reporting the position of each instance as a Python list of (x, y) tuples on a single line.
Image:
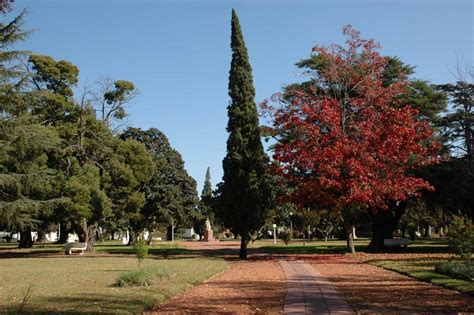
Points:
[(341, 249), (431, 246), (309, 249), (85, 304)]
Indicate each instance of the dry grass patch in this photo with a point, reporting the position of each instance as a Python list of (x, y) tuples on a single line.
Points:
[(86, 284)]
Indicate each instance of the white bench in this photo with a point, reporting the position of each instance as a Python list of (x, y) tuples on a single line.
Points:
[(78, 247), (396, 242)]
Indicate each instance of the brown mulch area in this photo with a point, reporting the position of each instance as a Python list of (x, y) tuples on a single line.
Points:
[(246, 287), (372, 289)]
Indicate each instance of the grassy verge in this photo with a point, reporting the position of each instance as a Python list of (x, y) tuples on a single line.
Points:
[(423, 269), (314, 247), (86, 284)]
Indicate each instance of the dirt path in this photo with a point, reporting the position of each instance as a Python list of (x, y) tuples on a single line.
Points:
[(253, 286)]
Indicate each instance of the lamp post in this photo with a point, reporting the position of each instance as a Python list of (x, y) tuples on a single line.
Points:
[(274, 234)]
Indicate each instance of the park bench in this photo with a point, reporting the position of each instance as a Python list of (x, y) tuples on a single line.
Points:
[(78, 247), (396, 242)]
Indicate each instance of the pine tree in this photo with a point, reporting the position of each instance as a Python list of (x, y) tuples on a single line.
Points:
[(10, 34), (27, 183), (246, 194), (459, 122)]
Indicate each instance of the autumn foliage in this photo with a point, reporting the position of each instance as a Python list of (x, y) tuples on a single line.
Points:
[(346, 141)]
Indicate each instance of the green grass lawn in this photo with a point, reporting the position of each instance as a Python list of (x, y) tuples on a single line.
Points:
[(314, 247), (85, 284), (423, 269), (110, 247), (435, 245)]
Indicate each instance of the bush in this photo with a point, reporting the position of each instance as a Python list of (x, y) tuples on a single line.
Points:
[(141, 250), (461, 237), (458, 270), (140, 277)]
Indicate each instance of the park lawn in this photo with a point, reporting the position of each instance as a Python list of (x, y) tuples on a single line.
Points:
[(86, 284), (435, 245), (423, 269), (313, 247), (109, 247)]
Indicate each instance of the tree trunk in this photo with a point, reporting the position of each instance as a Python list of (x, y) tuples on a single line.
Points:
[(150, 238), (169, 232), (349, 237), (26, 241), (427, 231), (87, 235), (91, 238), (98, 233), (384, 225), (354, 232), (41, 236), (243, 248), (403, 230), (382, 228), (63, 234), (131, 238)]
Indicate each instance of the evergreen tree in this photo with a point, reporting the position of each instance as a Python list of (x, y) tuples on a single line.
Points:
[(459, 123), (10, 34), (170, 195), (204, 211), (130, 169), (206, 193), (246, 193), (27, 184)]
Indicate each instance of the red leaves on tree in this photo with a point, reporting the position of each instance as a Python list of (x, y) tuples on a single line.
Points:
[(348, 140)]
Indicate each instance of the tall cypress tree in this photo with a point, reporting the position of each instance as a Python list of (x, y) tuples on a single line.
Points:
[(206, 193), (246, 193)]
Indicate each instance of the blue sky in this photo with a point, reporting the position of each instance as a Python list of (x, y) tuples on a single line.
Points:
[(178, 52)]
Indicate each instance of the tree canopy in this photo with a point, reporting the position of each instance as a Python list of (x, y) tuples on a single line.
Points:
[(349, 143)]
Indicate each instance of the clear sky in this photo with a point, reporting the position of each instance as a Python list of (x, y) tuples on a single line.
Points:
[(178, 52)]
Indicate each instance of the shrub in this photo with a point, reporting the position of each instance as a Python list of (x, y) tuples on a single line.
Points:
[(141, 250), (461, 237), (140, 277), (459, 270)]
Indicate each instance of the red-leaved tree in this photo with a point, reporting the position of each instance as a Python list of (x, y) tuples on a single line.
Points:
[(345, 141)]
